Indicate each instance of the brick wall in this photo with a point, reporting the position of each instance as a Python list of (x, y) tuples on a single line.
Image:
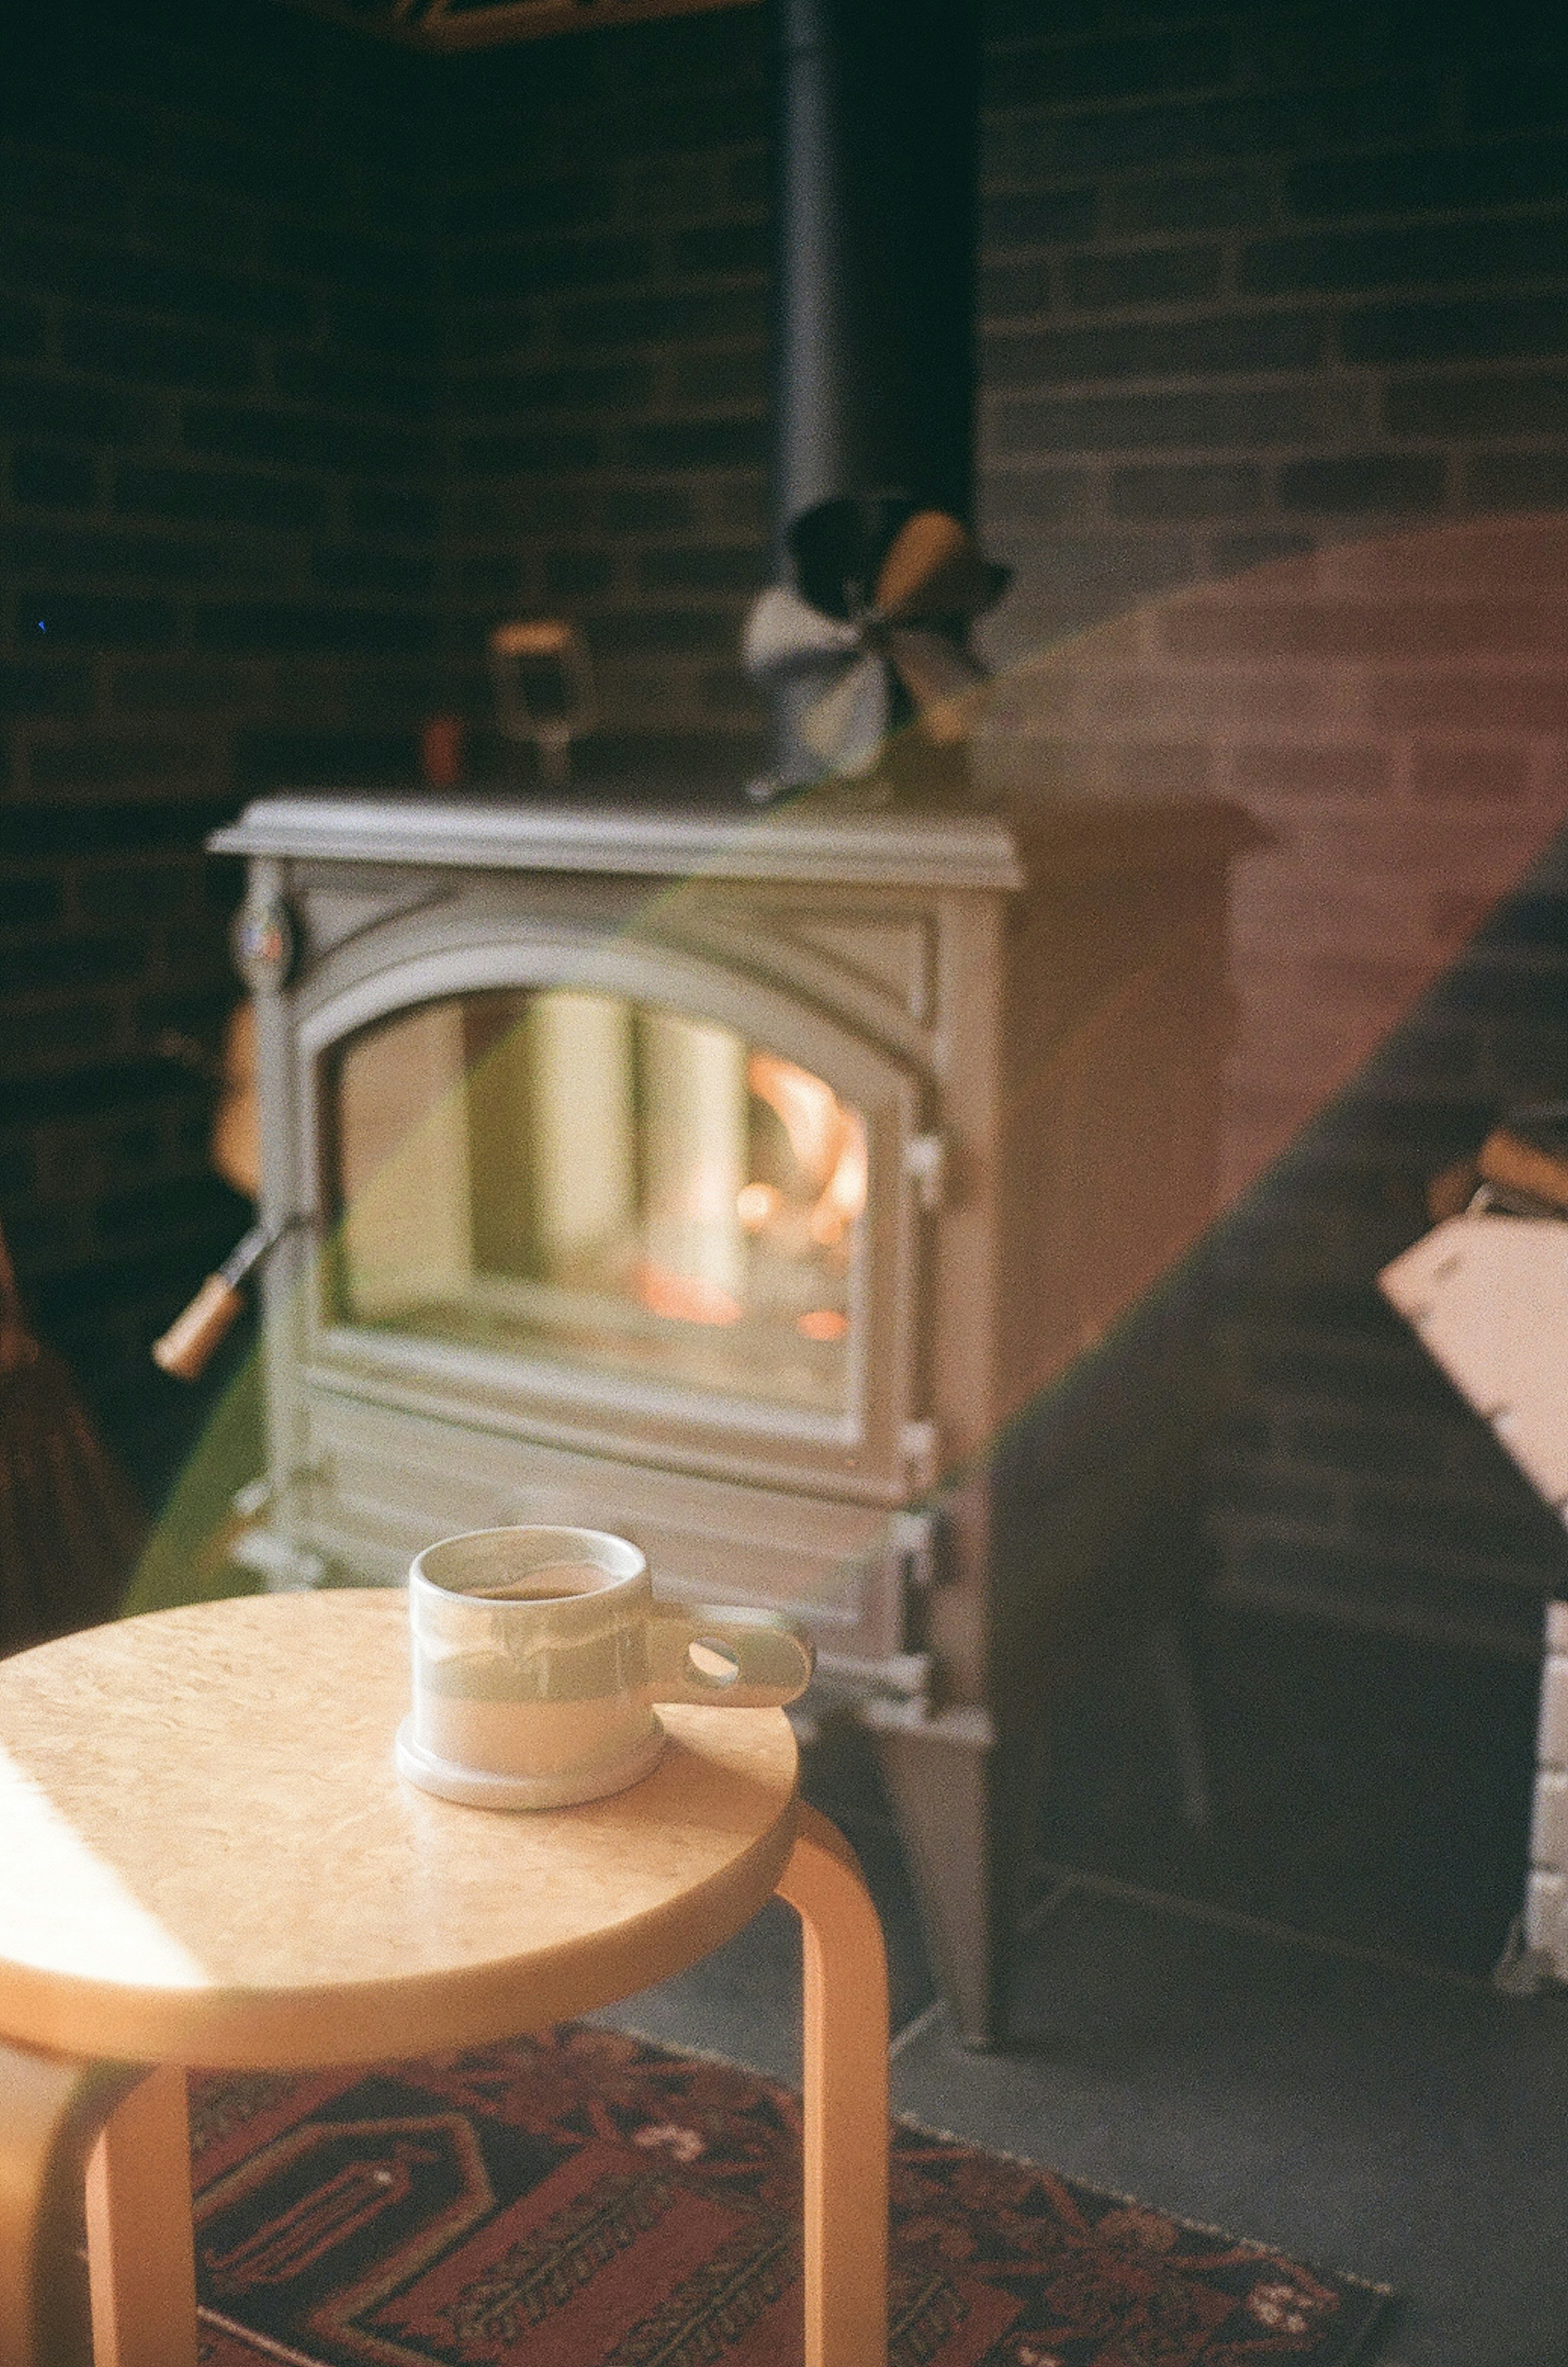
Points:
[(218, 464), (1274, 297), (318, 357), (1262, 276), (604, 229)]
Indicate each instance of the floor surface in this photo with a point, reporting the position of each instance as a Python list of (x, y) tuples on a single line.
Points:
[(1403, 2122)]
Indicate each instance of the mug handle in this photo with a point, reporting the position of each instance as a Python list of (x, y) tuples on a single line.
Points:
[(725, 1659)]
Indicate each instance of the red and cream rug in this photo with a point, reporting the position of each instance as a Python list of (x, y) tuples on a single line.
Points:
[(585, 2200)]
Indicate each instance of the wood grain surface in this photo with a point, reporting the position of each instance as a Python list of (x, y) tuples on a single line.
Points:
[(207, 1855)]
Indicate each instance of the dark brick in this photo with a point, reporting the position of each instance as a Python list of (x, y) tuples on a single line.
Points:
[(1039, 496), (664, 319), (1193, 492), (1365, 481), (1056, 74), (317, 248), (599, 387), (299, 440), (229, 497), (411, 331), (724, 691), (1447, 180), (276, 759), (1118, 422), (73, 965), (749, 180), (705, 569), (665, 631), (1398, 1594), (1017, 290), (352, 568), (577, 574), (1507, 481), (94, 619), (1520, 96), (1364, 1441), (42, 184), (700, 443), (648, 509), (47, 553), (576, 201), (487, 578), (1238, 198), (101, 761), (1037, 218), (1094, 576), (70, 1033), (1489, 329), (39, 687), (723, 377), (1206, 132), (157, 1208), (18, 1174), (109, 830), (390, 510), (1425, 254), (1540, 920), (543, 449), (1253, 1497), (82, 415), (347, 381), (726, 247), (1500, 402), (128, 280), (1509, 993), (1228, 344), (1232, 554), (533, 269), (21, 329), (523, 506), (29, 902), (52, 480), (140, 350), (1160, 275), (272, 627), (157, 891)]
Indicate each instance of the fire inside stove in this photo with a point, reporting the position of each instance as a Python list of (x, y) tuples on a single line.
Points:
[(586, 1179)]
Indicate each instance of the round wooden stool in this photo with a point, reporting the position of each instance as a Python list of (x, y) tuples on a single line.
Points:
[(207, 1858)]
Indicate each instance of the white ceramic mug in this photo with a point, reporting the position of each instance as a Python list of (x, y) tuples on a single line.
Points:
[(539, 1655)]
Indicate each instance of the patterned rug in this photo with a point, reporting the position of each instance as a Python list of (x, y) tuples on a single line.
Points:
[(584, 2200)]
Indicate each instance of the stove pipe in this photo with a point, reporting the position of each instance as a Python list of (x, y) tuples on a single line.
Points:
[(874, 136)]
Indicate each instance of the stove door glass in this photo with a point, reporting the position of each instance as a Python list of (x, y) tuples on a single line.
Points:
[(579, 1177)]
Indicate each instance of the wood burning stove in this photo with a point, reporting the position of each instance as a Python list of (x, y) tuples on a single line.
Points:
[(738, 1182), (731, 1184)]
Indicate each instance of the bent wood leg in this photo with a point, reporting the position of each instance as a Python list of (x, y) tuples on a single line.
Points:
[(141, 2251), (51, 2109), (846, 2100)]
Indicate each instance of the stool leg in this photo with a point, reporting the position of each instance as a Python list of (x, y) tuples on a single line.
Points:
[(846, 2100), (51, 2109), (140, 2251)]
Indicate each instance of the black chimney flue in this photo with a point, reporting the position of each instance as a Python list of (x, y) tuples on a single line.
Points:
[(874, 122)]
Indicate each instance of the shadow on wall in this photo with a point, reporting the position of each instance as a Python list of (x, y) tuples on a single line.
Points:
[(1394, 713)]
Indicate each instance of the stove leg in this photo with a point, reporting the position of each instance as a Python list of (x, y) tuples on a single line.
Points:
[(960, 1795)]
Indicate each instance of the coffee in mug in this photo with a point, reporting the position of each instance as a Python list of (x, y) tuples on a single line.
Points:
[(539, 1654)]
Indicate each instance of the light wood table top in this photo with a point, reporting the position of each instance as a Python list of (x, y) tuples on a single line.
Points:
[(207, 1857)]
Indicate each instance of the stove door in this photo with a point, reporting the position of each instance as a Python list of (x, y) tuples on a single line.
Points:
[(625, 1202)]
